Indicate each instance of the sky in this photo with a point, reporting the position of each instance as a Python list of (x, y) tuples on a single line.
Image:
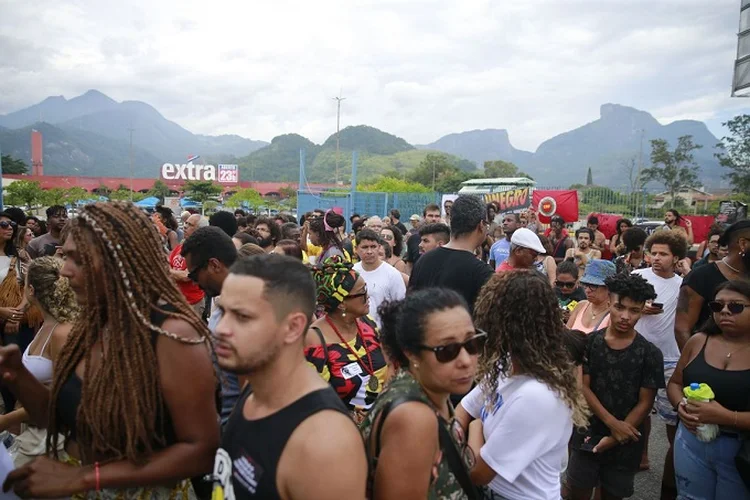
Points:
[(419, 69)]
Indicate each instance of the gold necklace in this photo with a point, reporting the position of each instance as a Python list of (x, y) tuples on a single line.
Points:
[(728, 357), (594, 315)]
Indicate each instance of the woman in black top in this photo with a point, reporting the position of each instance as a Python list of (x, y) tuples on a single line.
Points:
[(133, 388), (719, 357)]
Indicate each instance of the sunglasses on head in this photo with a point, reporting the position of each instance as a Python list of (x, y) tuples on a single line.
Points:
[(565, 284), (733, 307), (448, 352)]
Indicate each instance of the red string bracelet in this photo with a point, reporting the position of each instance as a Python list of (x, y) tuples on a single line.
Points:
[(96, 474)]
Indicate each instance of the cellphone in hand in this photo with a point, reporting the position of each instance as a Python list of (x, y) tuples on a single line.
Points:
[(657, 305)]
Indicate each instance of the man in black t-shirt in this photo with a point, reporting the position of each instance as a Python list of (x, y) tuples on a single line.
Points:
[(621, 373), (454, 265)]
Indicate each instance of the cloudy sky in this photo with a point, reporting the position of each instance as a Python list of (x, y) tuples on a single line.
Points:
[(416, 68)]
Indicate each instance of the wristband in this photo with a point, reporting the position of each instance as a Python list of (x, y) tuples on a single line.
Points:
[(96, 476)]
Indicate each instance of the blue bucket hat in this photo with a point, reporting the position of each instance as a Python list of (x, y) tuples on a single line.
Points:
[(597, 271)]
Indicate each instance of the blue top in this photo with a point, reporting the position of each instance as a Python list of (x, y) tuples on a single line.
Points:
[(500, 252)]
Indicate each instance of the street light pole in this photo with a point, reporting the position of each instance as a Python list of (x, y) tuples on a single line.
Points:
[(338, 123), (131, 129)]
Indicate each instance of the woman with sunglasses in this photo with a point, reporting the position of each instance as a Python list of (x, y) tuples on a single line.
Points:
[(395, 239), (415, 447), (521, 415), (343, 344), (720, 357), (593, 313)]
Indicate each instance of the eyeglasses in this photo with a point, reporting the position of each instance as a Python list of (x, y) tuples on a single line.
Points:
[(449, 352), (565, 284), (6, 224), (734, 307), (363, 293), (592, 287), (193, 275)]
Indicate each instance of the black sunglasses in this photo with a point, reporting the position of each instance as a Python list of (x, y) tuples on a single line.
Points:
[(592, 287), (193, 275), (363, 293), (734, 307), (449, 352), (6, 224), (565, 284)]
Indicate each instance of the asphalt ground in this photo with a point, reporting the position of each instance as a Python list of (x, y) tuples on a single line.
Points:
[(648, 483)]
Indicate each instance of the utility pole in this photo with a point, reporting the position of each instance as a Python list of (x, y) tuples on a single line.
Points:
[(2, 207), (638, 178), (131, 130), (338, 123)]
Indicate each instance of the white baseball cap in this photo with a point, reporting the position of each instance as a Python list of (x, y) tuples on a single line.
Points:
[(526, 238)]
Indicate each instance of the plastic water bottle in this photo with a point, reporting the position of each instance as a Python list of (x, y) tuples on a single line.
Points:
[(703, 393)]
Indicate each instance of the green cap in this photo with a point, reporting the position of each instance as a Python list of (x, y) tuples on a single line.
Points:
[(698, 391)]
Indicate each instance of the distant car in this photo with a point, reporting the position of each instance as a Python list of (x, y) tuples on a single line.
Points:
[(650, 225)]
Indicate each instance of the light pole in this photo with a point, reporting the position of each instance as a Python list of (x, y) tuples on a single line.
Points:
[(338, 123), (131, 129)]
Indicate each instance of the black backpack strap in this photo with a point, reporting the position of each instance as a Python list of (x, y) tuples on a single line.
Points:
[(455, 462), (322, 343)]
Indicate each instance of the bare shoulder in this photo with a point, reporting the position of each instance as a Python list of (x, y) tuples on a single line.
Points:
[(181, 328), (694, 344), (324, 440)]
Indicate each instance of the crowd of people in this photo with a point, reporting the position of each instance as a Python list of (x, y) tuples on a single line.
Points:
[(473, 354)]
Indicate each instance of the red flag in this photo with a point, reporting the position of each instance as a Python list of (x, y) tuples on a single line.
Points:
[(555, 202)]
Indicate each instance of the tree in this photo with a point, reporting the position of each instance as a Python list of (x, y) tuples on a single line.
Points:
[(250, 196), (432, 168), (75, 194), (13, 166), (500, 168), (451, 182), (589, 178), (160, 190), (201, 191), (736, 155), (27, 193), (54, 196), (393, 185), (674, 169)]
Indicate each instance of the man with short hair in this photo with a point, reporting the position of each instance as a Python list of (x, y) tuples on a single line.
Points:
[(598, 240), (384, 282), (431, 215), (178, 267), (666, 249), (374, 223), (288, 431), (396, 220), (558, 238), (621, 373), (500, 250), (225, 221), (712, 246), (46, 244), (209, 253), (584, 252), (454, 265), (433, 236), (525, 247), (269, 233), (239, 213), (414, 221)]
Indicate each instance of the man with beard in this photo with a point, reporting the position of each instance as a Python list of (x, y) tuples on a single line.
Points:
[(46, 244), (290, 436), (621, 373), (699, 286), (209, 253), (269, 233), (585, 252), (597, 242), (501, 248), (433, 236), (712, 245), (672, 220), (178, 267)]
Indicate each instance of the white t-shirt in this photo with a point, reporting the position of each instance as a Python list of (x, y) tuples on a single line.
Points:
[(659, 328), (526, 434), (384, 283), (4, 267)]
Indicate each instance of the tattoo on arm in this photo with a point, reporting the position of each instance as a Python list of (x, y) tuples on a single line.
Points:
[(683, 301)]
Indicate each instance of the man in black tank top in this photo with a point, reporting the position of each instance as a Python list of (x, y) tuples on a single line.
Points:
[(290, 436)]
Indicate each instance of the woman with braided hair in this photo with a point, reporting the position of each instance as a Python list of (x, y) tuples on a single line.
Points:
[(343, 345), (119, 391)]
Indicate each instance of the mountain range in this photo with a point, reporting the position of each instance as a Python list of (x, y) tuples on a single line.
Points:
[(90, 135)]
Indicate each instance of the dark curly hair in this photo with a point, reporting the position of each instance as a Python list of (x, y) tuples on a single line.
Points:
[(630, 286), (403, 321), (675, 241), (328, 239), (398, 239), (633, 238), (535, 338)]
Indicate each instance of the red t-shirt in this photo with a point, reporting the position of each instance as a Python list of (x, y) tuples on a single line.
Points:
[(505, 266), (190, 290)]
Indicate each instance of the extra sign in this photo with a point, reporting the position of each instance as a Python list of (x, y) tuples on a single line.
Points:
[(224, 174), (510, 200)]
